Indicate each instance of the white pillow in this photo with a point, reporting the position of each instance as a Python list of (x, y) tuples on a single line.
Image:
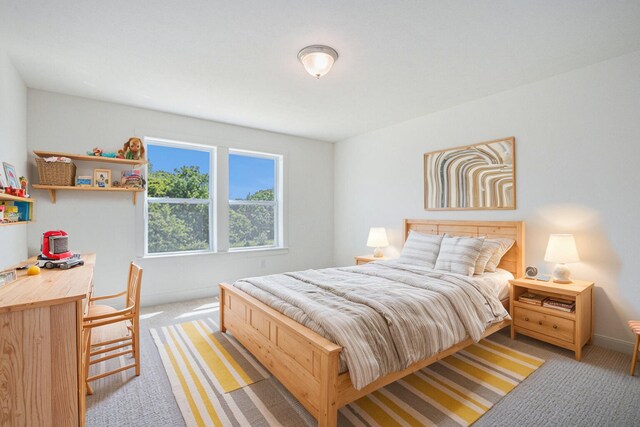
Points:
[(421, 249), (489, 248), (459, 254), (494, 261)]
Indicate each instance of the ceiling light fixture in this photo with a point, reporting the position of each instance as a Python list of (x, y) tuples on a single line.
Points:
[(318, 59)]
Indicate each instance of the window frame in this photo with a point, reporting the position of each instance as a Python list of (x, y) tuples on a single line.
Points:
[(211, 201), (277, 203)]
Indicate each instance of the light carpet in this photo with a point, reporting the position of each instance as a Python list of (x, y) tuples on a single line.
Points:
[(217, 382)]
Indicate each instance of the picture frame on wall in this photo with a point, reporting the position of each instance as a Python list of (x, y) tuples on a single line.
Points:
[(472, 177), (102, 178), (12, 176)]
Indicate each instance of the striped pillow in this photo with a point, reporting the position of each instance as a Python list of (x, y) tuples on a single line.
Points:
[(505, 245), (459, 254), (489, 248), (421, 249)]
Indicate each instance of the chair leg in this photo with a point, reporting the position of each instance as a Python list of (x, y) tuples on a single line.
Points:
[(635, 355), (136, 345), (87, 360)]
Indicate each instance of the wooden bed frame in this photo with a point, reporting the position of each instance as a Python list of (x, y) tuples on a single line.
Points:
[(306, 363)]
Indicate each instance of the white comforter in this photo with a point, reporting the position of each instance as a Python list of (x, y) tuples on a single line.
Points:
[(385, 315)]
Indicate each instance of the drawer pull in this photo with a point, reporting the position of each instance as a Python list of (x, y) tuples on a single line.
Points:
[(526, 319), (540, 322), (555, 326)]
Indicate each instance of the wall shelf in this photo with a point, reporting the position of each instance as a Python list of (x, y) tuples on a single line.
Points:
[(85, 158), (4, 224), (53, 188), (8, 197), (22, 203)]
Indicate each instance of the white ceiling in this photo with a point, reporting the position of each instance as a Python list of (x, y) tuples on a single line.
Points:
[(235, 61)]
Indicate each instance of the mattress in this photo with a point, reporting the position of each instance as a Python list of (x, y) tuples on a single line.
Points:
[(386, 315)]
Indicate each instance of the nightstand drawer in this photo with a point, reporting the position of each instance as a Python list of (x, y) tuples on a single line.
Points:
[(553, 326)]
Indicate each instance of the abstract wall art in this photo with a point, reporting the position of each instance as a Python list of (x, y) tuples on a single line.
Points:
[(473, 177)]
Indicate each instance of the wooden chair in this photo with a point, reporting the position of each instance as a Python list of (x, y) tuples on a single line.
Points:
[(107, 329), (635, 327)]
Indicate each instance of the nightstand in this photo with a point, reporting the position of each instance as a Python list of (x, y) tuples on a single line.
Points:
[(569, 330), (363, 259)]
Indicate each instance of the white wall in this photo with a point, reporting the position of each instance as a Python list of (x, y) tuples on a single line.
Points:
[(106, 223), (13, 150), (577, 153)]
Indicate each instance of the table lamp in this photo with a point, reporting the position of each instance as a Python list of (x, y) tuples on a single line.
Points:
[(378, 240), (561, 249)]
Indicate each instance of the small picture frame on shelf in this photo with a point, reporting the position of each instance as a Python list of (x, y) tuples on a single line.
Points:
[(12, 176), (84, 181), (102, 178)]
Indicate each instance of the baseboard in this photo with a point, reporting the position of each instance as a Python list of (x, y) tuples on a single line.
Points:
[(177, 296), (613, 343)]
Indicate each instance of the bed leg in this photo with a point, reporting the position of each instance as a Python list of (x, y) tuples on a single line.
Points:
[(328, 416), (221, 309)]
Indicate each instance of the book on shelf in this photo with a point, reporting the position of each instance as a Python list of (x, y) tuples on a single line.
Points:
[(529, 298), (560, 304)]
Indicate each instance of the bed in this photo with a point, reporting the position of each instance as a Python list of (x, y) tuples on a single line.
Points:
[(308, 364)]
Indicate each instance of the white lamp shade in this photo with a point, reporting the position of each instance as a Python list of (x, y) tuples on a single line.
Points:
[(318, 59), (377, 238), (317, 64), (561, 249)]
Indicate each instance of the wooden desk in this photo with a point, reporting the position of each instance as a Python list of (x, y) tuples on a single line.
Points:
[(41, 347)]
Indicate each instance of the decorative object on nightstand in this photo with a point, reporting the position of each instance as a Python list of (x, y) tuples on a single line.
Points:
[(378, 240), (364, 259), (561, 249), (531, 272), (635, 328), (570, 329)]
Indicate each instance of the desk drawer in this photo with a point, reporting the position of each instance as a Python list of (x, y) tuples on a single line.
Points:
[(553, 326)]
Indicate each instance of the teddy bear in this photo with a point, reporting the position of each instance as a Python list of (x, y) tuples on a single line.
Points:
[(133, 149)]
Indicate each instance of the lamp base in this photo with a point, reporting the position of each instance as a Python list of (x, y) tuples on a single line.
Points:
[(377, 253), (562, 274)]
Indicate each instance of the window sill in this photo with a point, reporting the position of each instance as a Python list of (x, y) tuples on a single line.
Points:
[(253, 252)]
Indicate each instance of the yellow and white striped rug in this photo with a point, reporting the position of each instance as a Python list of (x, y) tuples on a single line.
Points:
[(217, 382)]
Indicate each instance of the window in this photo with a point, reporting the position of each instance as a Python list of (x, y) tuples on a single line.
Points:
[(254, 200), (179, 206)]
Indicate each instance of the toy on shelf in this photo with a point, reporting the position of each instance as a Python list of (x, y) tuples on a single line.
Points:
[(13, 211), (24, 184), (10, 212), (132, 178), (99, 152), (133, 149), (18, 192)]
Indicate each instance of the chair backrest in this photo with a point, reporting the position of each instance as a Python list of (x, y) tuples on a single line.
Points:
[(133, 287)]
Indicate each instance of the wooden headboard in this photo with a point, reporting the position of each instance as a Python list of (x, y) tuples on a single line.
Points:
[(512, 261)]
